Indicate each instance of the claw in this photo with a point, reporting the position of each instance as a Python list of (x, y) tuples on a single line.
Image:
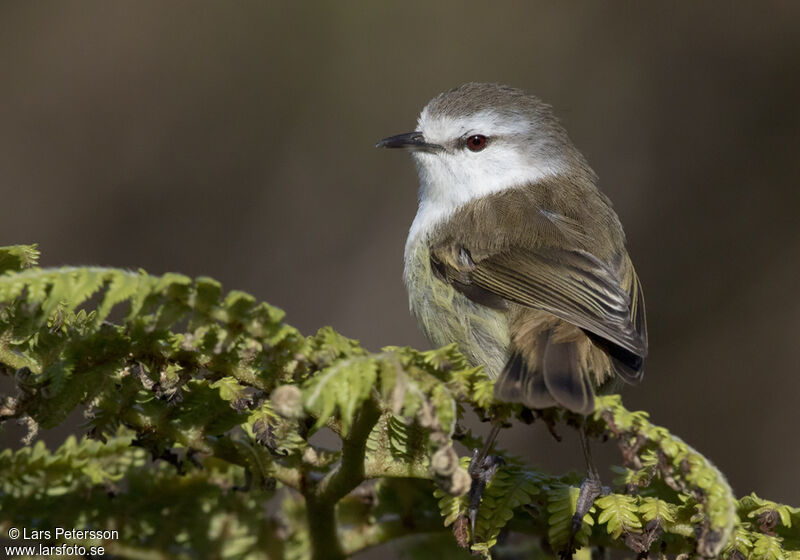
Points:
[(473, 516), (481, 470), (591, 488)]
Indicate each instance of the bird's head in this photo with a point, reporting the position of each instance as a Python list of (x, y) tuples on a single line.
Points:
[(480, 139)]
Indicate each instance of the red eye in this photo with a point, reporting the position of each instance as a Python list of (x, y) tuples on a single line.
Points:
[(476, 143)]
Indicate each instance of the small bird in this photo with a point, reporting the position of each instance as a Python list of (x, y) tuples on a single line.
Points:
[(514, 253)]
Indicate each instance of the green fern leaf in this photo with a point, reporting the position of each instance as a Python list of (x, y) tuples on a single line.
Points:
[(18, 257), (122, 286), (767, 547), (741, 542), (229, 389), (562, 503), (618, 513), (653, 509), (343, 386), (511, 488), (483, 393), (450, 507)]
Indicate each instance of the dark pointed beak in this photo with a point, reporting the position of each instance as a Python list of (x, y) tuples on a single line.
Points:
[(412, 141)]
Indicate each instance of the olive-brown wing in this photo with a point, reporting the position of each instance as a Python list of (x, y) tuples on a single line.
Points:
[(604, 300)]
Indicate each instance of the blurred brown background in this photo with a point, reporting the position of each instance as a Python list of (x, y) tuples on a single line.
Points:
[(236, 140)]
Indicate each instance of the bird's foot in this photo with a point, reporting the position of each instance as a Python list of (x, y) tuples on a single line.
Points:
[(591, 489), (481, 469)]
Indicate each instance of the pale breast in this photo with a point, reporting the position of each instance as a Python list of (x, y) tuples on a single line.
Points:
[(447, 316)]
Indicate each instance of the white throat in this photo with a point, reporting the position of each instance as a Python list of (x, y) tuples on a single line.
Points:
[(451, 180)]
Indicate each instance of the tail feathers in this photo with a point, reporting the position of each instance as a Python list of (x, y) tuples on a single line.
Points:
[(566, 377), (519, 383), (630, 375), (627, 365), (559, 377)]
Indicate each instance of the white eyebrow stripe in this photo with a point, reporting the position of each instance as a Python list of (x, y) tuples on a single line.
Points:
[(443, 128)]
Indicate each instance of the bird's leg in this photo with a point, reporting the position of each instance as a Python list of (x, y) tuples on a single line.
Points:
[(591, 487), (481, 469), (587, 453)]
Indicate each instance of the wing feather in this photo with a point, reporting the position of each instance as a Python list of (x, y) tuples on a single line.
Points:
[(510, 257), (572, 285)]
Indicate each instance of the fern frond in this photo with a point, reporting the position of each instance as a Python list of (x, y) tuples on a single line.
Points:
[(619, 514), (18, 257), (200, 404), (512, 488), (562, 501), (683, 466), (342, 387)]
